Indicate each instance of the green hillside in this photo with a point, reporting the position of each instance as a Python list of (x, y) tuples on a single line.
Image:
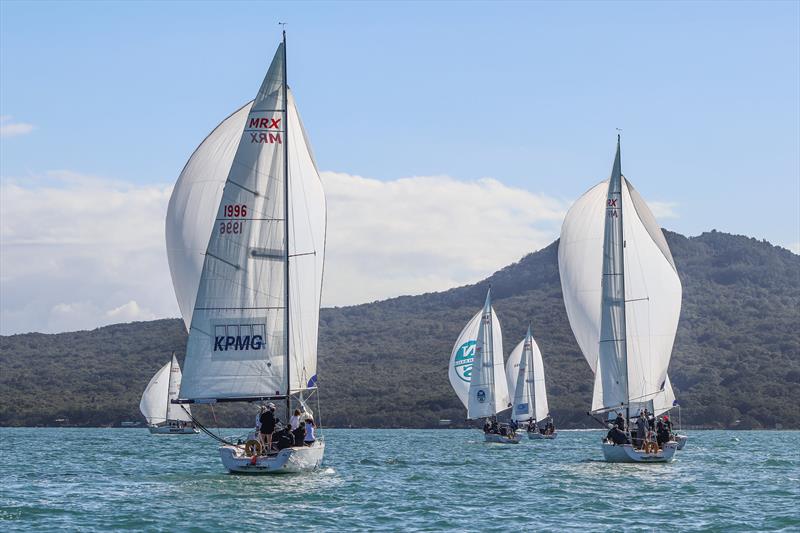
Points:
[(736, 361)]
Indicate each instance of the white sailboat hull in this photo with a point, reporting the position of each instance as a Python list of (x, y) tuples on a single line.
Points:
[(287, 461), (625, 453), (169, 430), (501, 439), (539, 436), (681, 440)]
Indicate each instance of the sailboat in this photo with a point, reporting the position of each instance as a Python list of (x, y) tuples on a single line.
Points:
[(163, 417), (476, 371), (525, 375), (245, 237), (623, 299)]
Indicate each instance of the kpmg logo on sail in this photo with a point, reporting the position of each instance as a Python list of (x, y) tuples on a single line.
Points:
[(463, 360), (239, 337)]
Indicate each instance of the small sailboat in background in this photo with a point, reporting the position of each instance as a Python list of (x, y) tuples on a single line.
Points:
[(623, 299), (525, 375), (164, 417), (477, 373), (246, 246)]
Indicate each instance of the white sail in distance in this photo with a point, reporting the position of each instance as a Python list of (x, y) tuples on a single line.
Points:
[(227, 252), (645, 314), (488, 388), (463, 357), (163, 387), (525, 376)]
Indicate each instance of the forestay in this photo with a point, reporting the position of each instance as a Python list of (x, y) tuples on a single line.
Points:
[(650, 303), (488, 390), (525, 376), (227, 253)]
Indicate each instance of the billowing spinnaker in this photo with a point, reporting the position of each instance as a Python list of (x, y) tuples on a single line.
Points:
[(193, 207), (174, 411), (153, 404), (488, 390), (525, 376), (462, 358), (652, 288)]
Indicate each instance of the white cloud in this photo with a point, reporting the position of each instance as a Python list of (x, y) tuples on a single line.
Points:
[(77, 252), (412, 235), (12, 129), (663, 209), (794, 248)]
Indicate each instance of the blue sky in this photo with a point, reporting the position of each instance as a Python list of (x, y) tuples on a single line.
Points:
[(527, 93)]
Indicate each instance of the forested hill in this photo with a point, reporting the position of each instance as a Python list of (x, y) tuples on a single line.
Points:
[(736, 361)]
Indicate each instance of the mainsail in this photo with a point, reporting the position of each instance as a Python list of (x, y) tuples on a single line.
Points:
[(488, 389), (163, 387), (622, 294), (226, 242), (525, 376)]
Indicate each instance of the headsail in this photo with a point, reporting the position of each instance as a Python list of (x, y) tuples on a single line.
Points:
[(153, 404), (488, 390), (651, 300), (231, 288), (162, 388), (525, 376), (174, 411), (462, 358)]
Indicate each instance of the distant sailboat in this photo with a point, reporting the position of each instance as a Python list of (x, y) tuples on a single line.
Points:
[(246, 246), (525, 375), (623, 298), (476, 369), (164, 417)]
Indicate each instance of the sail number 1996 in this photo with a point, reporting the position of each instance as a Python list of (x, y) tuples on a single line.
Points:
[(233, 211)]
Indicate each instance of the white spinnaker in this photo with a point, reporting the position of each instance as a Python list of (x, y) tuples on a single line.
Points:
[(462, 358), (525, 376), (488, 390), (153, 404), (195, 205), (650, 279), (174, 411)]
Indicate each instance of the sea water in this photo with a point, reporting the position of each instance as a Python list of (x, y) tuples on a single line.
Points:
[(418, 480)]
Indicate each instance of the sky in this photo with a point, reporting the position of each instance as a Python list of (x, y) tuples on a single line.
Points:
[(452, 137)]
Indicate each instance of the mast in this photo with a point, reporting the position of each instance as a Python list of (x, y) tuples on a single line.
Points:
[(532, 384), (490, 344), (287, 336), (169, 382), (613, 349)]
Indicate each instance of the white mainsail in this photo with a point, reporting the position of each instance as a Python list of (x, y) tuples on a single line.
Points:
[(488, 388), (163, 387), (525, 376), (622, 294), (226, 245)]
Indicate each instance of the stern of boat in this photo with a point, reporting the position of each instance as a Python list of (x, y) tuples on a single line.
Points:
[(501, 439), (287, 461), (625, 453)]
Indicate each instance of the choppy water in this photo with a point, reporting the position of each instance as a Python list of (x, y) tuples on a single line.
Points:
[(104, 479)]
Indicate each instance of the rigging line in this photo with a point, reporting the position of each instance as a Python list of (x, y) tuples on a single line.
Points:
[(209, 254), (254, 193), (205, 429)]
